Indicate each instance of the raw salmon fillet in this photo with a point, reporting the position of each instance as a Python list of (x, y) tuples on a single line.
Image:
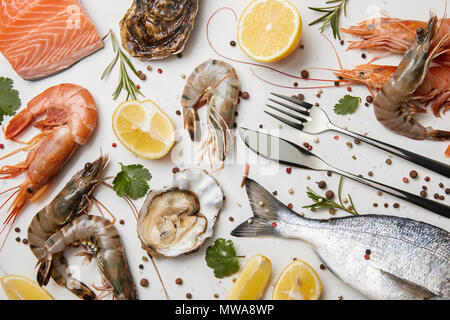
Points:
[(42, 37)]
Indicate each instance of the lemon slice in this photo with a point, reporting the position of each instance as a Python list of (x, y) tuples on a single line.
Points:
[(143, 129), (298, 281), (22, 288), (269, 30), (253, 279)]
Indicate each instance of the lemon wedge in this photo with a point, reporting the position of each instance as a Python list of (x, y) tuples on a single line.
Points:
[(298, 281), (269, 30), (253, 279), (144, 129), (22, 288)]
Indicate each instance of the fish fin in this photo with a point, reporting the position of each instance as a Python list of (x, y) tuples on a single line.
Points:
[(45, 270), (417, 290), (265, 208)]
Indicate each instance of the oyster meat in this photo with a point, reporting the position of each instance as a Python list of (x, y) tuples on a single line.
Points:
[(155, 29), (178, 219)]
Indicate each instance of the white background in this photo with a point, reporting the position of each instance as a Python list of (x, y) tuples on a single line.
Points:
[(165, 89)]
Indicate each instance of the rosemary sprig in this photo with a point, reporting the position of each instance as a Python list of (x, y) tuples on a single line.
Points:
[(331, 16), (125, 81), (321, 202)]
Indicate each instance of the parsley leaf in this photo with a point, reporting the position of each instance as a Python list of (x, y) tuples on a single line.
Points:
[(132, 181), (347, 105), (9, 98), (222, 258)]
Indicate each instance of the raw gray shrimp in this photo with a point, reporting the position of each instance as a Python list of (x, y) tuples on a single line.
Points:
[(69, 203), (216, 83), (103, 241), (393, 104)]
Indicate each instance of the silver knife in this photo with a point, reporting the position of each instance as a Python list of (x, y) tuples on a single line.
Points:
[(288, 153)]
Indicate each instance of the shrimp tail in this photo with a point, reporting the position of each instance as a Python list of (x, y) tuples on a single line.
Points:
[(45, 270), (18, 123), (438, 135), (192, 123)]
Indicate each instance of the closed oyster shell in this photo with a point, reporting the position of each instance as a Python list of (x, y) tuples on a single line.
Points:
[(179, 219), (155, 29)]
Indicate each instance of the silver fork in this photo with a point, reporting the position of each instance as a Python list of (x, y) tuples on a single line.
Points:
[(314, 120)]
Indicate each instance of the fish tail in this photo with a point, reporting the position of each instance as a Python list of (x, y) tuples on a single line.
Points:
[(266, 212)]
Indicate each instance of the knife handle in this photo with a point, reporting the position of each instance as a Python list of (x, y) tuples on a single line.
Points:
[(436, 207), (422, 161)]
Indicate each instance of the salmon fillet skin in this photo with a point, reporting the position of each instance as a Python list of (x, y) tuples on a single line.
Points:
[(42, 37)]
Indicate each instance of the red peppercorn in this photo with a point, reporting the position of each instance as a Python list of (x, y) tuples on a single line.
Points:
[(2, 146), (274, 224), (349, 89), (138, 86), (367, 257), (427, 178), (114, 144), (159, 70), (309, 148), (288, 170), (405, 180), (336, 137)]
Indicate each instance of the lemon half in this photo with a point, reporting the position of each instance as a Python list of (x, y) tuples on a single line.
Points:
[(253, 279), (298, 281), (144, 129), (22, 288), (269, 30)]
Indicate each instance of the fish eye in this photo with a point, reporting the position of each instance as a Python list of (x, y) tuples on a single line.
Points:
[(88, 166)]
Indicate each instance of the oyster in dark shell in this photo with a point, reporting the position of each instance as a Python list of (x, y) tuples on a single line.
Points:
[(155, 29)]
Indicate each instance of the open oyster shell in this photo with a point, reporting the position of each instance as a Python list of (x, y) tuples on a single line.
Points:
[(155, 29), (178, 219)]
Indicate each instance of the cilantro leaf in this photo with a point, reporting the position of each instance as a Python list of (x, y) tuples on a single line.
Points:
[(132, 181), (9, 98), (222, 258), (347, 105)]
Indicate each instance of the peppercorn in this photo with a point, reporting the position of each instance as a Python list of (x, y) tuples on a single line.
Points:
[(342, 42), (232, 43), (142, 76), (423, 193), (322, 184), (388, 161), (369, 99), (370, 173), (144, 283), (260, 126), (441, 197), (175, 170), (25, 241), (386, 205), (329, 173), (300, 96), (447, 191), (427, 178), (332, 211), (363, 55), (375, 204), (329, 194), (405, 180), (368, 251), (336, 83), (295, 84), (141, 266), (304, 74), (245, 95), (179, 55), (290, 205), (436, 196), (322, 267), (396, 205), (216, 295), (114, 144), (188, 295), (302, 46), (357, 141), (275, 193), (149, 68), (18, 239), (17, 229), (413, 174), (121, 221), (288, 170), (178, 112), (424, 188), (179, 281), (441, 185)]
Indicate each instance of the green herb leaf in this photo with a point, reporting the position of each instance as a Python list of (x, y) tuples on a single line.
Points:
[(331, 16), (125, 82), (9, 98), (222, 258), (132, 181), (347, 105)]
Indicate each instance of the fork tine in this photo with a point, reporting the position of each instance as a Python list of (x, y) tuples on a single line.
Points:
[(287, 113), (293, 100), (293, 124), (306, 113)]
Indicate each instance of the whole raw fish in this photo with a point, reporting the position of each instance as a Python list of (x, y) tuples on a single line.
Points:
[(408, 259)]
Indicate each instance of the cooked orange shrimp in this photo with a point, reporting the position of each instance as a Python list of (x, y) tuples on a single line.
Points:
[(435, 88), (103, 241), (392, 104), (214, 82), (71, 116), (395, 35)]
